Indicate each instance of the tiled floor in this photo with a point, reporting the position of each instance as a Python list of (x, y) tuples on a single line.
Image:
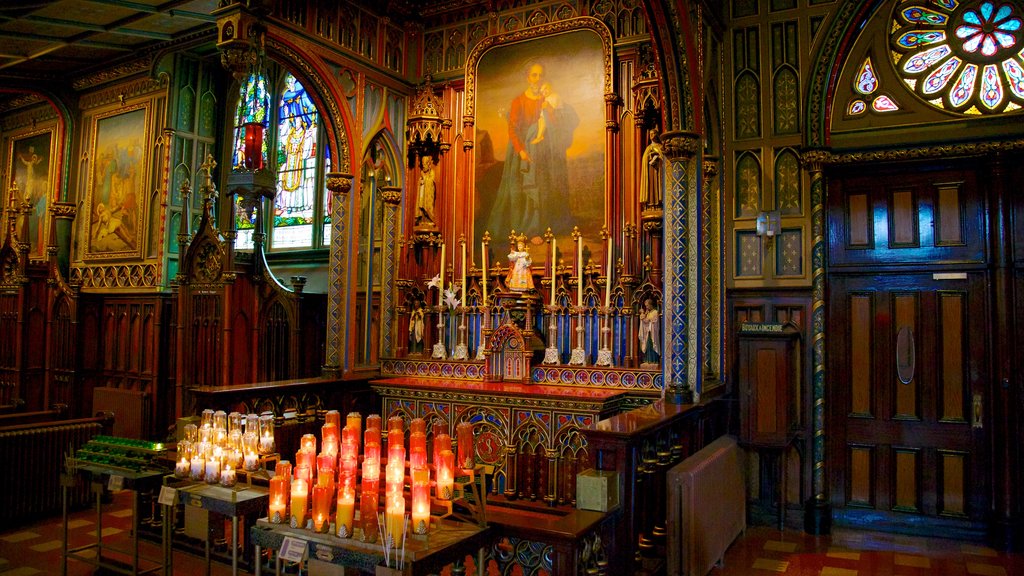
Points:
[(762, 551), (765, 551)]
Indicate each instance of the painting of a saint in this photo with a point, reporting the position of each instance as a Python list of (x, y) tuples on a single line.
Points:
[(30, 167), (540, 132), (117, 184)]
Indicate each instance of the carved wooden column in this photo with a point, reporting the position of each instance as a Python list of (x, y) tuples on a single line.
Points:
[(817, 512), (681, 318), (392, 196), (339, 184)]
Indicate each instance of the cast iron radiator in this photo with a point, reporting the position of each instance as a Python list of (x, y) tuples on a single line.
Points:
[(33, 457), (131, 410), (706, 507)]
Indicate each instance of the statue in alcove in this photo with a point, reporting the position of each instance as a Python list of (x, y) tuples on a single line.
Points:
[(416, 328), (650, 334), (651, 179), (426, 193)]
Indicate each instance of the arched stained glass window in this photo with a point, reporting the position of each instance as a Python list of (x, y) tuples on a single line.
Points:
[(294, 145), (961, 55), (866, 87)]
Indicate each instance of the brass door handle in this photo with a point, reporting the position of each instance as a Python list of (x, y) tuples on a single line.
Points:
[(976, 412)]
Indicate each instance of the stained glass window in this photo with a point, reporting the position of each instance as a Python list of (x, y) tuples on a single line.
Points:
[(963, 56), (253, 106), (866, 85)]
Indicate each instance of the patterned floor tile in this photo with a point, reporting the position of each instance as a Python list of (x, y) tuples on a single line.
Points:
[(976, 569), (772, 565), (79, 523), (842, 554), (19, 537), (106, 532), (47, 546), (976, 550), (834, 571), (912, 561), (122, 513), (21, 571), (779, 546)]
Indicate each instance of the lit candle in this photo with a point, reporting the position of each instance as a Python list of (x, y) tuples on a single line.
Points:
[(579, 270), (355, 421), (464, 438), (417, 449), (228, 477), (608, 275), (442, 441), (333, 417), (463, 242), (349, 442), (212, 470), (418, 425), (372, 451), (325, 465), (368, 498), (304, 473), (300, 502), (445, 474), (420, 499), (278, 499), (373, 422), (308, 442), (305, 458), (181, 469), (483, 252), (322, 496), (252, 462), (440, 293), (331, 436), (345, 514), (554, 265), (394, 520)]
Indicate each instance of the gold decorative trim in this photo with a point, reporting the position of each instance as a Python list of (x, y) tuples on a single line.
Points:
[(136, 66), (391, 194), (22, 101), (935, 151), (63, 209), (339, 183), (559, 27), (116, 276), (123, 92)]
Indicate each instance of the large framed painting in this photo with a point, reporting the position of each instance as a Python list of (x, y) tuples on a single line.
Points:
[(118, 174), (538, 99), (32, 168)]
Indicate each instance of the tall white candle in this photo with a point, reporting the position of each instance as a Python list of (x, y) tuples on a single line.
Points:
[(463, 273), (440, 294), (483, 251), (554, 266), (579, 270), (608, 275)]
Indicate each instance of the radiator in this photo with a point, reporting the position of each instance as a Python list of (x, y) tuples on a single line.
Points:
[(33, 457), (131, 409), (706, 507)]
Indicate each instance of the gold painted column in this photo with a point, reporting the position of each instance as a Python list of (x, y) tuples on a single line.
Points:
[(392, 196), (711, 270), (339, 185), (681, 317)]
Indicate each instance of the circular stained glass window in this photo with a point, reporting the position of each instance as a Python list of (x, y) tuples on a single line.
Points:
[(964, 56)]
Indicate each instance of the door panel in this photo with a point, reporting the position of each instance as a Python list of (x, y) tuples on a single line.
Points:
[(907, 358)]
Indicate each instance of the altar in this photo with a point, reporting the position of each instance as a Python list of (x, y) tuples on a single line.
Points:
[(528, 436)]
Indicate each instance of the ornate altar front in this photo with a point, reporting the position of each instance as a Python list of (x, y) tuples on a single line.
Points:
[(529, 435)]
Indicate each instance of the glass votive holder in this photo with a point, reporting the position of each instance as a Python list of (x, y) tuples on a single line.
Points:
[(266, 434), (207, 420)]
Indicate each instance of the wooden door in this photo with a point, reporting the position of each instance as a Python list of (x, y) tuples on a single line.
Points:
[(908, 399), (908, 339)]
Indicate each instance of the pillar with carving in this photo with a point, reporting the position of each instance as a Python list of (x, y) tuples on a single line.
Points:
[(682, 316), (711, 269), (339, 184)]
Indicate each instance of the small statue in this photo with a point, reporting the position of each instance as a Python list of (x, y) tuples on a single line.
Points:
[(520, 277), (427, 193), (416, 328), (651, 182), (650, 335)]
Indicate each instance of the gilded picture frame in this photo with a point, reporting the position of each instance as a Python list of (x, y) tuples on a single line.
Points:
[(118, 176), (33, 167), (541, 90)]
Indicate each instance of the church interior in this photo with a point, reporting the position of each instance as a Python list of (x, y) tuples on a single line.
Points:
[(648, 271)]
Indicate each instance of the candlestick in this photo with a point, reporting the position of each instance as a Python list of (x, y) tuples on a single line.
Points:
[(462, 240), (483, 252), (608, 275), (554, 266), (440, 293), (579, 267)]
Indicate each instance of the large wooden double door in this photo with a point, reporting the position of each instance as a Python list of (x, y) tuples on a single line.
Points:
[(908, 350)]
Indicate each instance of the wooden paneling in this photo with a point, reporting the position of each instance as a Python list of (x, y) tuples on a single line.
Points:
[(906, 496), (905, 313), (951, 321), (861, 472), (860, 234), (860, 354), (882, 217), (948, 215), (953, 483), (767, 366), (903, 220)]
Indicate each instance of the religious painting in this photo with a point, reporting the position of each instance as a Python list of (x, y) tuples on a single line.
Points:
[(32, 169), (539, 106), (117, 184)]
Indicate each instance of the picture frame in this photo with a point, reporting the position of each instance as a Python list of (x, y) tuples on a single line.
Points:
[(118, 175), (32, 166), (560, 183)]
